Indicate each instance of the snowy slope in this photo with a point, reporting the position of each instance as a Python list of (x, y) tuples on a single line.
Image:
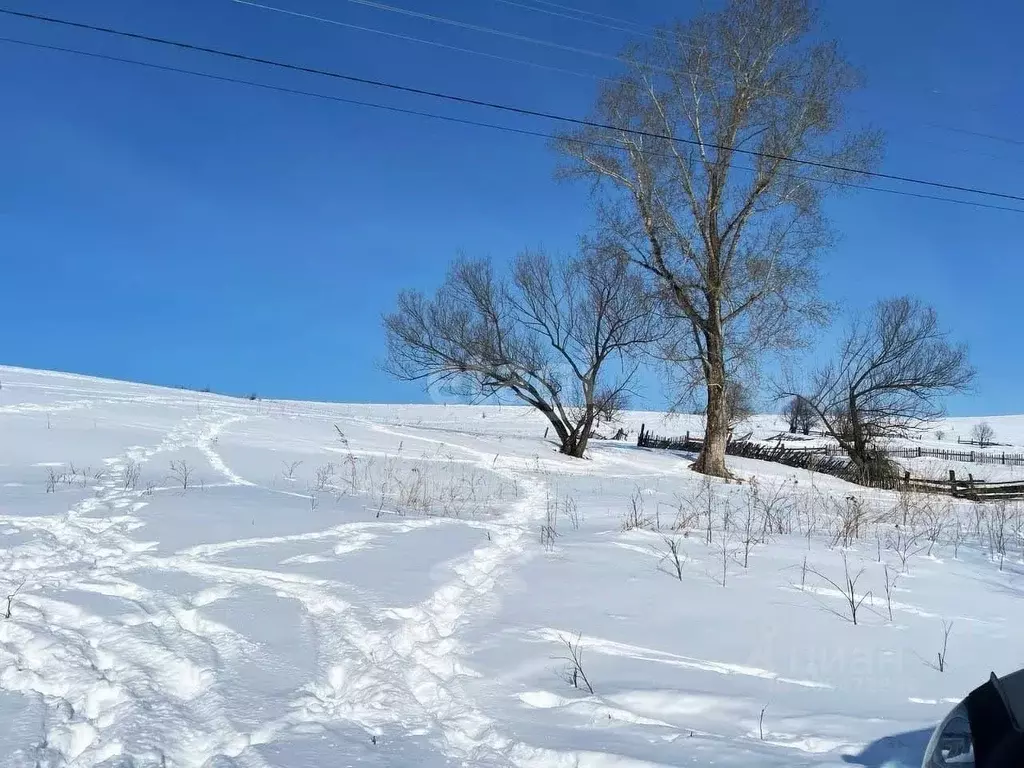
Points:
[(393, 585)]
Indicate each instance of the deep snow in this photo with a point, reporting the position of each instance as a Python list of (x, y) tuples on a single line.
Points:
[(394, 585)]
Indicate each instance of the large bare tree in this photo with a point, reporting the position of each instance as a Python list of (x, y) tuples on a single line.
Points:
[(563, 336), (892, 370), (688, 160)]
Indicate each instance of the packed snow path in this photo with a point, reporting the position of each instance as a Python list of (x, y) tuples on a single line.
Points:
[(203, 581)]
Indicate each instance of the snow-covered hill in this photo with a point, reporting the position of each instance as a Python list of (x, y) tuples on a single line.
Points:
[(197, 580)]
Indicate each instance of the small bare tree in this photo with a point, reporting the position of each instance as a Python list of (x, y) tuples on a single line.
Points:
[(688, 154), (941, 655), (891, 577), (891, 372), (848, 589), (182, 473), (674, 557), (904, 542), (996, 520), (573, 672), (548, 336), (983, 434)]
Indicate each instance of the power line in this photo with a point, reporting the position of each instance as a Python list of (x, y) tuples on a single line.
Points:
[(424, 41), (525, 62), (508, 108), (460, 120), (478, 28), (572, 49), (582, 12), (562, 15)]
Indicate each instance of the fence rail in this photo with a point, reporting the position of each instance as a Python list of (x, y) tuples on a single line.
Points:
[(832, 460)]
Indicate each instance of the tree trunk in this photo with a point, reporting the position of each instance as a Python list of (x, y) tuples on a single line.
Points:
[(571, 441), (711, 460), (576, 442)]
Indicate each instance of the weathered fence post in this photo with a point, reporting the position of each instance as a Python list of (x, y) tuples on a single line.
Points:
[(952, 481), (1004, 457), (972, 456), (640, 437), (919, 451)]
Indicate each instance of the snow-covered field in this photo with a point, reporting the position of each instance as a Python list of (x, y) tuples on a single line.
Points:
[(203, 581)]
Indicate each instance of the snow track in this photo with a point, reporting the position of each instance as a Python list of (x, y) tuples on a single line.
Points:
[(137, 681), (114, 684)]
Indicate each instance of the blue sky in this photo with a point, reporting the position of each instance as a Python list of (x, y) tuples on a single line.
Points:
[(167, 229)]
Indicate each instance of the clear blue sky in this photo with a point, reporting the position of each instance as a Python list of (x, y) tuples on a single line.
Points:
[(167, 229)]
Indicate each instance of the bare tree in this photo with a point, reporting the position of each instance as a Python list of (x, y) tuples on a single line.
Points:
[(983, 434), (548, 336), (689, 157), (182, 473), (739, 403), (892, 370), (799, 415)]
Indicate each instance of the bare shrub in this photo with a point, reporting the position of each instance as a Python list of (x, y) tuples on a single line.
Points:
[(996, 520), (847, 587), (674, 557), (749, 533), (53, 478), (182, 473), (573, 672), (635, 517), (549, 529), (904, 542), (890, 584), (936, 519), (940, 657), (572, 512), (325, 475), (773, 504), (850, 518), (724, 546), (130, 475), (289, 469), (957, 537)]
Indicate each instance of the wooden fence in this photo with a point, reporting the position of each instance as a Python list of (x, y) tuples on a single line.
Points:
[(831, 460)]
